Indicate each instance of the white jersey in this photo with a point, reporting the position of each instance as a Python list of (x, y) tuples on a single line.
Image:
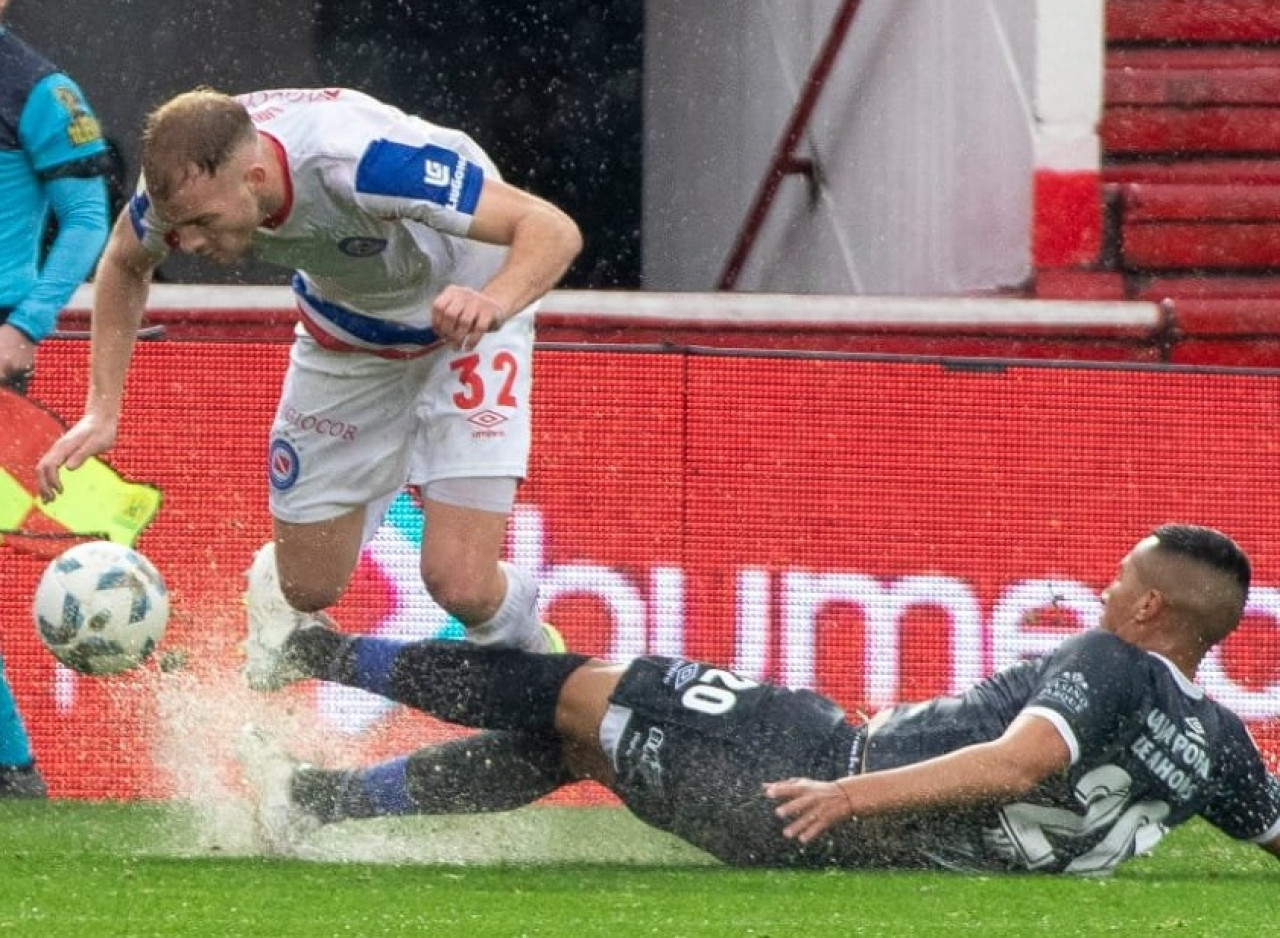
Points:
[(377, 208)]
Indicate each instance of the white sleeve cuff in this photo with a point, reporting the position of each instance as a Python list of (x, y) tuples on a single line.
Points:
[(1062, 726)]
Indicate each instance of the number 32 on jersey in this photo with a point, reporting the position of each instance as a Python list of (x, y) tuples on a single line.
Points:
[(483, 380)]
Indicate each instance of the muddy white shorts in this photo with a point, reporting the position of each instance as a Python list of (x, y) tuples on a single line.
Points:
[(352, 429)]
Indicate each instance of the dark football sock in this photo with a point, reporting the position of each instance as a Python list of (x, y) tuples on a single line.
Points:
[(485, 687), (316, 650), (481, 773), (494, 771)]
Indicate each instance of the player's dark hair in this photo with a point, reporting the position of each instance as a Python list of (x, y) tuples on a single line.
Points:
[(1207, 546), (197, 130)]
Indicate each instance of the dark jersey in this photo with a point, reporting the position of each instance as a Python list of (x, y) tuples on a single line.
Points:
[(1149, 751), (692, 745)]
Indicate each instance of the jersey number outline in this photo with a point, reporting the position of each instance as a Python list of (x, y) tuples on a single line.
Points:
[(715, 692), (468, 369), (1104, 795)]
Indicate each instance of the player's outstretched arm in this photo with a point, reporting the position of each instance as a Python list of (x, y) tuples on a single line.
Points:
[(543, 242), (1030, 750), (120, 297)]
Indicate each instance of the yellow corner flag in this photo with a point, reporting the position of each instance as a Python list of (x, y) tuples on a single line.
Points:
[(96, 503)]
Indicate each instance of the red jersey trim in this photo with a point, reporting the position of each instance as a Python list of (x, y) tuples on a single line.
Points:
[(281, 216)]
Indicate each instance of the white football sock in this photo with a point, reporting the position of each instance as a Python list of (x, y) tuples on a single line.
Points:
[(516, 624)]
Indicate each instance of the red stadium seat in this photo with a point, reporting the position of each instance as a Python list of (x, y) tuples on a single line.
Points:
[(1145, 202), (1190, 133), (1193, 20), (1202, 245), (1248, 172), (1130, 131), (1159, 287), (1183, 77)]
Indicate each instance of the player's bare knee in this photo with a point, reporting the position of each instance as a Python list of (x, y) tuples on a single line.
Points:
[(309, 597), (466, 598)]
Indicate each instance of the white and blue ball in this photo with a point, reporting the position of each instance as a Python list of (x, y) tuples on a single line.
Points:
[(101, 608)]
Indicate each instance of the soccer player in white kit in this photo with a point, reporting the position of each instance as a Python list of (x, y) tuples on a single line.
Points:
[(417, 276)]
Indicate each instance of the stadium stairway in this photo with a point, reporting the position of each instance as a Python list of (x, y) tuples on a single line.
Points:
[(1190, 161)]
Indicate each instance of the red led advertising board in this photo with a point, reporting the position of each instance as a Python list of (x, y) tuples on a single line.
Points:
[(877, 530)]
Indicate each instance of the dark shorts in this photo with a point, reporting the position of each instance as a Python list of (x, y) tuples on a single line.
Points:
[(698, 744)]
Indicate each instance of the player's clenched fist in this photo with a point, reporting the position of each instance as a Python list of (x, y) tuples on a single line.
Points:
[(461, 316)]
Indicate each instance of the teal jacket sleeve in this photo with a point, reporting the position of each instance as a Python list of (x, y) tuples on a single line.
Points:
[(63, 140), (81, 208)]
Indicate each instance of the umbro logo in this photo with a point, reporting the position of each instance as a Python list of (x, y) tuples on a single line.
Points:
[(683, 675), (487, 419), (1195, 730)]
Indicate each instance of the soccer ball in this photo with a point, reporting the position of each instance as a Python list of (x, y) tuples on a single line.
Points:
[(101, 608)]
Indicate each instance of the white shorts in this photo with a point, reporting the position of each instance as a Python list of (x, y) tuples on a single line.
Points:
[(351, 429)]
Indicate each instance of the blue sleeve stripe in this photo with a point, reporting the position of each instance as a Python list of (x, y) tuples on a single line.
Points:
[(426, 174), (138, 206), (365, 328), (469, 196)]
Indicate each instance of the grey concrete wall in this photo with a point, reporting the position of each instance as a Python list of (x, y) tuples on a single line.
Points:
[(922, 135)]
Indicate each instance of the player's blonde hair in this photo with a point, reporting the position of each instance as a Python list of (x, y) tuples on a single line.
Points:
[(192, 133)]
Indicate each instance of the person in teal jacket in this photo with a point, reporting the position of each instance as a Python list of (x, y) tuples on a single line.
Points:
[(53, 158)]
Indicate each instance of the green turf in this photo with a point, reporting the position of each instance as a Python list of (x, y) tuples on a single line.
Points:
[(90, 870)]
